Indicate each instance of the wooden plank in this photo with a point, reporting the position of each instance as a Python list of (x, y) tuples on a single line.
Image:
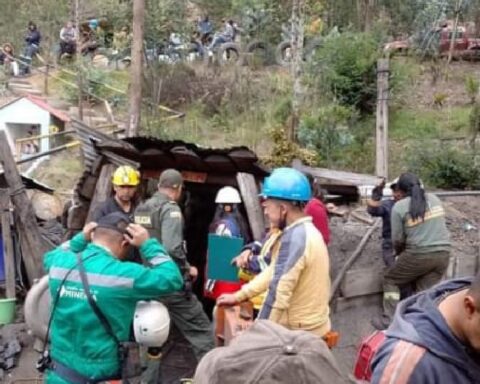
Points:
[(103, 189), (8, 255), (32, 244), (108, 108), (340, 177), (363, 218), (360, 282), (249, 191)]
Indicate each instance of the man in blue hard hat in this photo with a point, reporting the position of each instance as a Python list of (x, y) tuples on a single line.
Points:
[(297, 282)]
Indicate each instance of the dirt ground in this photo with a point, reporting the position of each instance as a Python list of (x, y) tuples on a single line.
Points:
[(351, 317)]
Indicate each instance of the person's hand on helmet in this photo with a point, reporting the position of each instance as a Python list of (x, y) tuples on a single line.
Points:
[(88, 230), (136, 234)]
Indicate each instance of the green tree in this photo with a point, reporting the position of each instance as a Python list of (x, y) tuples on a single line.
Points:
[(344, 67)]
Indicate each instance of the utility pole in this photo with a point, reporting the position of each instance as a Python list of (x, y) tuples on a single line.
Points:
[(298, 14), (383, 71), (136, 69)]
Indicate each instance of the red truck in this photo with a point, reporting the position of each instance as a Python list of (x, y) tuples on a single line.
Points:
[(465, 46)]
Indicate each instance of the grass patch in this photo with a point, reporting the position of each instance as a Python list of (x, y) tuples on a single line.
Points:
[(429, 124)]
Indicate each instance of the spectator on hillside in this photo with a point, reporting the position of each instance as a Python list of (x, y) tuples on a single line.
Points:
[(204, 29), (68, 39), (226, 36), (32, 40), (7, 59)]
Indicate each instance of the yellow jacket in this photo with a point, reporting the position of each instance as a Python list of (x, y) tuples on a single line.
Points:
[(297, 281)]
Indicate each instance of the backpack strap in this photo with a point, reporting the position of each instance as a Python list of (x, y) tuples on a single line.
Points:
[(86, 287)]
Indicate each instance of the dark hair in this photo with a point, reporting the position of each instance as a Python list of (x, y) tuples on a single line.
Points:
[(410, 184), (32, 24), (317, 191)]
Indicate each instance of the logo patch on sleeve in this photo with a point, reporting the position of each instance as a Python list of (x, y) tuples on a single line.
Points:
[(175, 214)]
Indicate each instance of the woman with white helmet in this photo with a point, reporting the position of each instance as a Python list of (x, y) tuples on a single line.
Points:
[(228, 221)]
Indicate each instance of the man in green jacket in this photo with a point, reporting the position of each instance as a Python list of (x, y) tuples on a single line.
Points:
[(80, 344), (163, 218)]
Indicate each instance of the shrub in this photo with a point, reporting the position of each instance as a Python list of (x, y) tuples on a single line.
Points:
[(446, 168), (284, 151), (326, 132), (472, 86), (345, 66)]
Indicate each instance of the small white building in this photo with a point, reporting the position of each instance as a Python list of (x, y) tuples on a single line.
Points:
[(31, 116)]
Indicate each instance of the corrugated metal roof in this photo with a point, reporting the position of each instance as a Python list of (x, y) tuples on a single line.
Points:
[(152, 153)]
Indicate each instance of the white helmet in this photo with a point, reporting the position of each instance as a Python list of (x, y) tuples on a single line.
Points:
[(228, 195), (151, 323)]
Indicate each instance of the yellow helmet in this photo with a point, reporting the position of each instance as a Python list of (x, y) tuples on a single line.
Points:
[(126, 175)]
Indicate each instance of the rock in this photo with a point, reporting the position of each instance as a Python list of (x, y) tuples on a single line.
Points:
[(13, 348), (9, 363)]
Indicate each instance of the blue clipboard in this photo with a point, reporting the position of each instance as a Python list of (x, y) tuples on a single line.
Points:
[(221, 251)]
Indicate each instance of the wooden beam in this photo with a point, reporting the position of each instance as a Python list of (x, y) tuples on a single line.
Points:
[(360, 282), (8, 255), (340, 177), (249, 191), (103, 189), (32, 244), (383, 71)]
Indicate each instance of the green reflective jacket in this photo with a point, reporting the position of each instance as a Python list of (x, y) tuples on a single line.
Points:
[(78, 339)]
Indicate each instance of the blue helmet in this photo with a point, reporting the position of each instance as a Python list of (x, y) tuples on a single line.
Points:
[(287, 184), (93, 23)]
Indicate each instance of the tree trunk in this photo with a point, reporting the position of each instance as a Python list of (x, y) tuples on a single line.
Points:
[(79, 62), (454, 34), (369, 11), (136, 68), (298, 13)]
